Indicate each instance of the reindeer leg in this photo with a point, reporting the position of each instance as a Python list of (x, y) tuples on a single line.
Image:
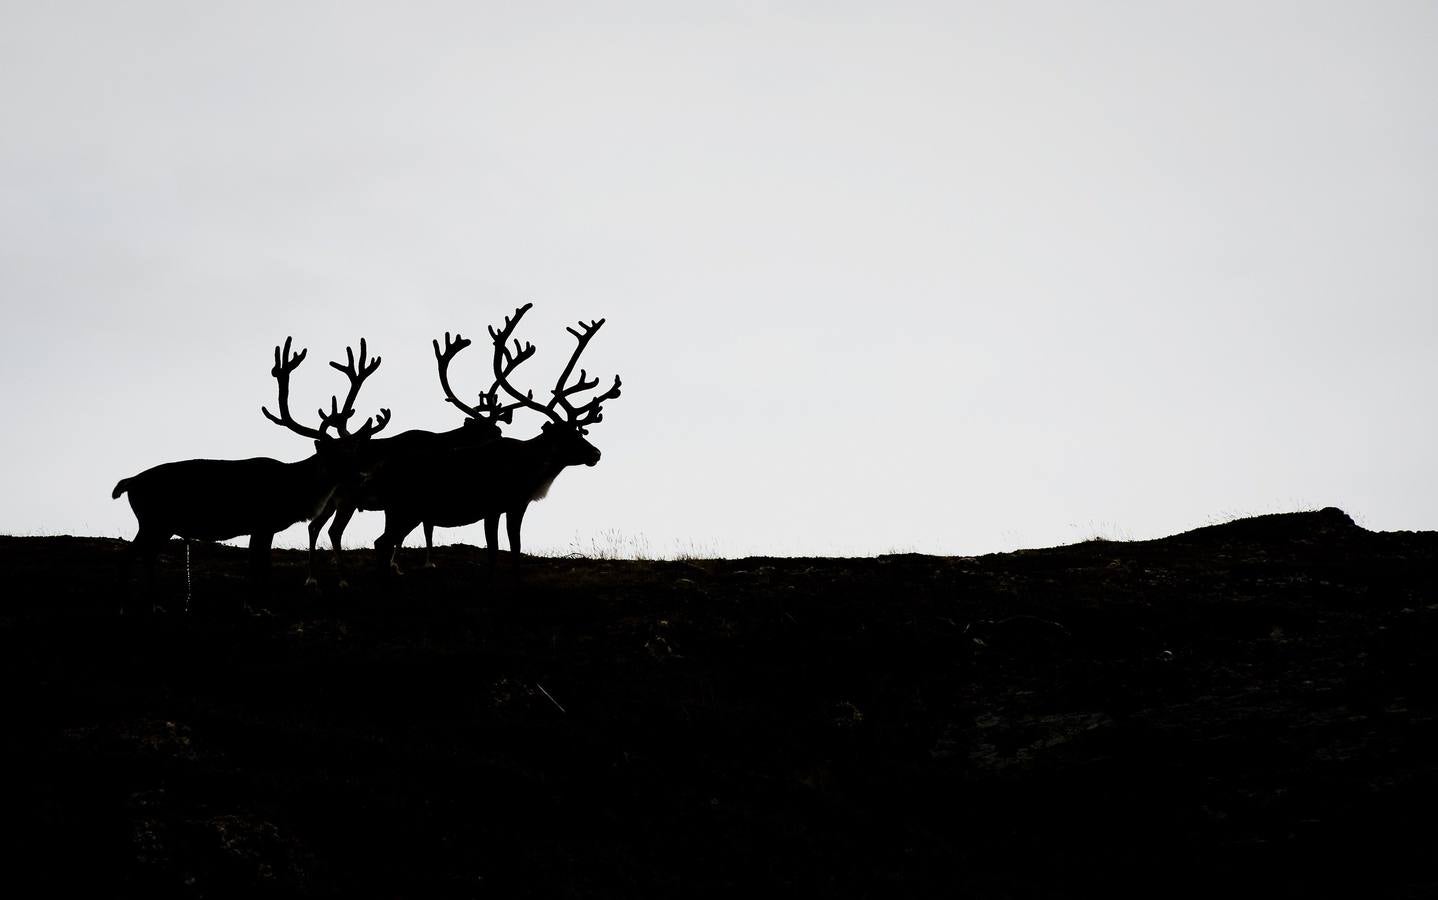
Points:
[(316, 525), (428, 545), (395, 531), (343, 513), (260, 564), (491, 540), (512, 521), (383, 546)]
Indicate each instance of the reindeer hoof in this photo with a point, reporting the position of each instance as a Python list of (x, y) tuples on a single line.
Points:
[(395, 569), (430, 565), (343, 584), (312, 582)]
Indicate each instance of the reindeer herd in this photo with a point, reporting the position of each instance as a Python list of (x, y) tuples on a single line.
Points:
[(448, 479)]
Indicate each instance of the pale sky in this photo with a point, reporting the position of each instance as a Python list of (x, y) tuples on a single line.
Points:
[(951, 277)]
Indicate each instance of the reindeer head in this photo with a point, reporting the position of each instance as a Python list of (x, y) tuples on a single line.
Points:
[(573, 447)]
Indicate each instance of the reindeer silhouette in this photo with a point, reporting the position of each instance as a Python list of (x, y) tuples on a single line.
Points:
[(480, 427), (217, 499), (460, 487)]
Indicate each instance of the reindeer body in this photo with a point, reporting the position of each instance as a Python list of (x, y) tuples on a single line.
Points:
[(451, 489), (380, 455), (218, 499), (464, 486)]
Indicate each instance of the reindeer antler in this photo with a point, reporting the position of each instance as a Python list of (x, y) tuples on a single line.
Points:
[(374, 425), (356, 375), (505, 361), (488, 405), (337, 418), (589, 413), (285, 363), (443, 357)]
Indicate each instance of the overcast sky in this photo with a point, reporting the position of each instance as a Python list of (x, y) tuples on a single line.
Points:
[(950, 277)]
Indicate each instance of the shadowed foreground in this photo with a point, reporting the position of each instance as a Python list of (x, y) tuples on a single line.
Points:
[(1250, 705)]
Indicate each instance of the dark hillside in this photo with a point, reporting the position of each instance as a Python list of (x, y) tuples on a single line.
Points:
[(1250, 707)]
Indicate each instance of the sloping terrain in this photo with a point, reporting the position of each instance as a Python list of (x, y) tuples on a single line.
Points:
[(1248, 707)]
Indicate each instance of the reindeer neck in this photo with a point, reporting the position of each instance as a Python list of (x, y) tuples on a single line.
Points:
[(547, 465), (310, 483)]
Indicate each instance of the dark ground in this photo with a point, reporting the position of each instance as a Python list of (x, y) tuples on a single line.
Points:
[(1244, 709)]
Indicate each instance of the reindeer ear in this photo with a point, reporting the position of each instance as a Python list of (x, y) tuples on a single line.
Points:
[(319, 445)]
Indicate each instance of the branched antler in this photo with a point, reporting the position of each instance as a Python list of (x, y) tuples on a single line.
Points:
[(488, 405), (285, 363), (592, 412), (494, 410), (443, 358), (374, 425), (357, 376), (560, 391), (589, 413), (505, 361), (337, 418)]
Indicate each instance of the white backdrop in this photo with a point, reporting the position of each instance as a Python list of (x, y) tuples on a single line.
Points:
[(956, 279)]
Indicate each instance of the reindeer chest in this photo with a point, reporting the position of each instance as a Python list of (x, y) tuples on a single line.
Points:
[(320, 502), (542, 490)]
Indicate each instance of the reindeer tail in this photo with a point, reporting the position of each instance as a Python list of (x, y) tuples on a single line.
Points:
[(121, 487)]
